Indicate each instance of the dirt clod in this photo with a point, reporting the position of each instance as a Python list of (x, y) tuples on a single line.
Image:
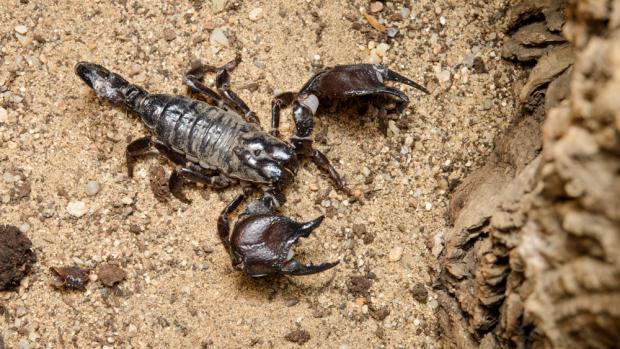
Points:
[(419, 293), (298, 336), (110, 274), (16, 256), (359, 285), (159, 183)]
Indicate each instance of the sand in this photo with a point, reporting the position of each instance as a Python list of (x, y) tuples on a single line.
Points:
[(181, 290)]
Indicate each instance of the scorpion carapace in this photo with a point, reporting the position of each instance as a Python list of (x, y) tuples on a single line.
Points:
[(336, 83), (214, 145), (261, 241)]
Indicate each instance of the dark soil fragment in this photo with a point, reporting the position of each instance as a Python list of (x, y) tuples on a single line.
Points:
[(16, 256), (298, 336), (419, 293), (359, 285), (110, 274), (159, 183), (73, 278), (379, 313)]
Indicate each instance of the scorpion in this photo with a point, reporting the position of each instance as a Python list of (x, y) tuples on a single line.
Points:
[(219, 142)]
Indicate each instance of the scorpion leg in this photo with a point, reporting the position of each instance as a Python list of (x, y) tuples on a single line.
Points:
[(135, 149), (195, 174), (280, 101), (223, 226), (141, 145), (193, 79)]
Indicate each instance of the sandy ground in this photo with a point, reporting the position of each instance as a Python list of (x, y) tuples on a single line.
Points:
[(181, 290)]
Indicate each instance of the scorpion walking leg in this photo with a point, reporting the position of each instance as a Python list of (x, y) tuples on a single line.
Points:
[(282, 100), (141, 145), (223, 226), (194, 77), (195, 174), (135, 149)]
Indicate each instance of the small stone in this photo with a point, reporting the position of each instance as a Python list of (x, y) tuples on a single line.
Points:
[(444, 76), (127, 200), (218, 37), (255, 14), (373, 58), (405, 12), (76, 208), (442, 20), (395, 254), (20, 311), (24, 40), (382, 49), (169, 34), (376, 6), (392, 32), (468, 60), (23, 344), (4, 115), (92, 188), (290, 302), (433, 304), (24, 228), (428, 206), (393, 128), (21, 29), (326, 203), (218, 5)]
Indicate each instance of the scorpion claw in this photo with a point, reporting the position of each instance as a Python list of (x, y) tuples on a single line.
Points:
[(261, 242)]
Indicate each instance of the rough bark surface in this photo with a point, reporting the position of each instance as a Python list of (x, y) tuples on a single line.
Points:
[(533, 260)]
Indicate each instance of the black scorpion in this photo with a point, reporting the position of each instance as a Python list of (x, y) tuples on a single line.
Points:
[(221, 143)]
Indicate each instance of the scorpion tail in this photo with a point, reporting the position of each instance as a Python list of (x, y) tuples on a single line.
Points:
[(108, 85)]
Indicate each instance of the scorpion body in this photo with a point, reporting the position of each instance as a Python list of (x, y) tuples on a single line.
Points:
[(214, 143)]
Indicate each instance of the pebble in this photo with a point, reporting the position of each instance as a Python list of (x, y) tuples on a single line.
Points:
[(442, 20), (392, 32), (376, 6), (21, 29), (444, 76), (169, 34), (433, 304), (218, 37), (468, 60), (428, 206), (382, 49), (373, 58), (4, 115), (395, 254), (23, 344), (405, 12), (92, 188), (76, 208), (24, 228), (24, 40), (20, 311), (255, 14), (218, 5), (127, 200), (393, 128)]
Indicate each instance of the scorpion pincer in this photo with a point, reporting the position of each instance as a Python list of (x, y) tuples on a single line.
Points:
[(212, 143), (261, 241)]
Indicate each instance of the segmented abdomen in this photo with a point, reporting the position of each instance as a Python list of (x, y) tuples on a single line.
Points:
[(204, 133)]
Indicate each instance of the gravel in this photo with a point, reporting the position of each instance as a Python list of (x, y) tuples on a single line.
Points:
[(77, 208), (92, 188)]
